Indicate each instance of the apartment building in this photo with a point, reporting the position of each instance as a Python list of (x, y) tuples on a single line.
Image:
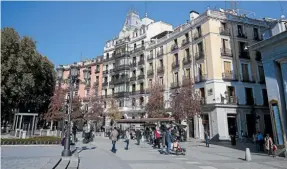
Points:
[(124, 64), (89, 82), (211, 50), (274, 56)]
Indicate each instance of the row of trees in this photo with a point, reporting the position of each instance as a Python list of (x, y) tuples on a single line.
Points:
[(27, 77), (185, 103)]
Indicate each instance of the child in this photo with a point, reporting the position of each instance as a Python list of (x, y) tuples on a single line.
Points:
[(274, 148)]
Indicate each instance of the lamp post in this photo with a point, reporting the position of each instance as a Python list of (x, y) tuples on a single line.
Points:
[(72, 79), (60, 72)]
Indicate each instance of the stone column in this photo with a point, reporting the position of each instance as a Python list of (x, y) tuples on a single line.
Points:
[(21, 118), (196, 129), (200, 128), (14, 121), (33, 124), (16, 125)]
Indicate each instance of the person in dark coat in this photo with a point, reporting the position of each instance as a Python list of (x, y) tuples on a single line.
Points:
[(138, 136)]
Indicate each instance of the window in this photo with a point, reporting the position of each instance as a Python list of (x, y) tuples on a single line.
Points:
[(200, 47), (142, 42), (106, 92), (134, 72), (176, 77), (245, 73), (224, 44), (161, 80), (107, 55), (199, 31), (187, 53), (187, 73), (201, 69), (106, 80), (175, 41), (105, 104), (202, 92), (133, 88), (242, 47), (227, 67), (141, 57), (142, 71), (87, 93), (223, 25), (150, 83), (107, 67), (176, 58), (265, 97), (97, 78), (249, 96), (161, 50), (261, 73), (133, 102), (134, 60), (186, 36), (120, 103), (255, 33), (76, 93), (141, 101), (113, 91), (141, 87), (135, 46), (161, 63), (240, 30), (230, 94), (150, 52)]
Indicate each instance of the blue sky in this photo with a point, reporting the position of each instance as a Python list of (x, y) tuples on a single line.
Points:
[(65, 30)]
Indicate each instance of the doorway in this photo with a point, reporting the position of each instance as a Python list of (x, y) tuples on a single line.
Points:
[(231, 121), (268, 125), (250, 125)]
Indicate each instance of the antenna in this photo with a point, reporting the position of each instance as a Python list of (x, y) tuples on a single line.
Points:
[(233, 4), (145, 8), (281, 8)]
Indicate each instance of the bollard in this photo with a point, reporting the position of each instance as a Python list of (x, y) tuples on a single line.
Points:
[(247, 155)]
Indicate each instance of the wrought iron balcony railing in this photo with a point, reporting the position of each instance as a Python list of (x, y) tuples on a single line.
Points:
[(199, 55), (186, 60), (175, 65), (229, 76), (141, 62), (185, 42), (160, 53), (150, 72), (200, 78), (141, 76), (175, 85), (160, 69), (226, 52), (224, 31), (174, 47)]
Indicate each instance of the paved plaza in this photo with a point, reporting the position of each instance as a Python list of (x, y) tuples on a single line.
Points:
[(97, 155)]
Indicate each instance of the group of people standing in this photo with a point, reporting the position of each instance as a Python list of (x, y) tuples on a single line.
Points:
[(266, 143)]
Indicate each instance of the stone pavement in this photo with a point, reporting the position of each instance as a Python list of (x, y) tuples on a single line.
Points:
[(29, 157), (97, 155)]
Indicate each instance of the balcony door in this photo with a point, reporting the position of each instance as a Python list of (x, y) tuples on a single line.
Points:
[(227, 67), (245, 73), (249, 96), (231, 94)]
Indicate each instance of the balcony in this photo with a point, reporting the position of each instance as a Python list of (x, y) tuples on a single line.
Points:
[(200, 78), (175, 65), (122, 67), (119, 55), (226, 52), (186, 60), (96, 83), (244, 55), (159, 53), (97, 71), (141, 76), (150, 57), (257, 38), (175, 85), (199, 55), (174, 47), (229, 76), (105, 72), (121, 80), (185, 42), (138, 49), (150, 72), (141, 62), (247, 79), (160, 69), (105, 84), (230, 100), (224, 31), (133, 64), (133, 78), (121, 94), (111, 83), (197, 35), (242, 35)]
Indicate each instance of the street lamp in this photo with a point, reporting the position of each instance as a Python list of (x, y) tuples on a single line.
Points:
[(72, 79), (60, 72)]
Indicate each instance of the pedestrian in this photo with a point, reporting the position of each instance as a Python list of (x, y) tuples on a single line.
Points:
[(168, 140), (242, 136), (114, 137), (260, 141), (206, 137), (254, 138), (138, 136), (268, 144), (74, 131), (274, 148), (128, 137), (163, 137), (157, 137)]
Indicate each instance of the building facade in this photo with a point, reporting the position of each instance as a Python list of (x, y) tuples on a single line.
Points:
[(124, 65), (85, 87), (274, 56)]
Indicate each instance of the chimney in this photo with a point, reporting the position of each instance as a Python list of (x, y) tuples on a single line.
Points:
[(193, 15)]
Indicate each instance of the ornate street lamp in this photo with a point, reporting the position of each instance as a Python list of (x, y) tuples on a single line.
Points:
[(60, 72), (73, 77)]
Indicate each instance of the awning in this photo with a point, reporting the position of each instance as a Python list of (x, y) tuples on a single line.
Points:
[(144, 120)]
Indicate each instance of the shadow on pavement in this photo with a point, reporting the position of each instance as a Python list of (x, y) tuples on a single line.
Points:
[(85, 148)]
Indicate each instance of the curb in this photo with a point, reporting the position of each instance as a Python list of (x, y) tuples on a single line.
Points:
[(32, 145)]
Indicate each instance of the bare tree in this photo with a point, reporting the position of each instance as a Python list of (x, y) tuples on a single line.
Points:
[(155, 105), (95, 109), (185, 101), (56, 109), (113, 110)]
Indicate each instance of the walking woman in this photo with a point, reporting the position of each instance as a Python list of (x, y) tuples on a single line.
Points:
[(206, 137), (268, 144)]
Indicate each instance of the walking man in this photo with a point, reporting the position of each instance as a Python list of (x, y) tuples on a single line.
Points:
[(128, 137), (114, 138), (206, 137), (139, 136)]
